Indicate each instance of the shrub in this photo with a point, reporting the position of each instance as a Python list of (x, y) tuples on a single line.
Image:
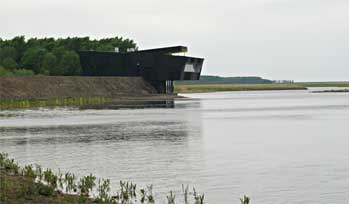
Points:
[(9, 63), (22, 72), (46, 190), (4, 72)]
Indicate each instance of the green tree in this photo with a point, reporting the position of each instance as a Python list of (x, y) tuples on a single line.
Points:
[(58, 52), (7, 52), (70, 63), (49, 64), (105, 47), (32, 59), (9, 63), (19, 44), (63, 59)]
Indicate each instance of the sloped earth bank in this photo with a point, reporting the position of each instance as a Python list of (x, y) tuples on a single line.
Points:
[(48, 87)]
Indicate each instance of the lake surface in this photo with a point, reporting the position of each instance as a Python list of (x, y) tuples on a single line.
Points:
[(275, 146)]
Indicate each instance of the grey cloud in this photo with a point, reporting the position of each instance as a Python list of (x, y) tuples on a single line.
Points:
[(279, 39)]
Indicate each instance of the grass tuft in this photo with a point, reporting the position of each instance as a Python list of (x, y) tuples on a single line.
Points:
[(25, 104)]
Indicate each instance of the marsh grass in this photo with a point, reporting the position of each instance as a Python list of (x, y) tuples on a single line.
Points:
[(325, 84), (201, 88), (26, 104), (32, 184)]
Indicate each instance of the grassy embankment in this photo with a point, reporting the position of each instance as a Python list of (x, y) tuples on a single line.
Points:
[(35, 103), (201, 88), (324, 84), (34, 185)]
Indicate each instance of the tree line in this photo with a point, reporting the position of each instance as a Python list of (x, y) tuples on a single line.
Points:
[(50, 56)]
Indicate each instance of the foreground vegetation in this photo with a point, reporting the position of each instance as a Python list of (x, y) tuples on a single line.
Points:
[(49, 56), (23, 104), (201, 88), (33, 184)]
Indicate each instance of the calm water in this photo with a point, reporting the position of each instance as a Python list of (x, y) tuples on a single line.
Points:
[(277, 147)]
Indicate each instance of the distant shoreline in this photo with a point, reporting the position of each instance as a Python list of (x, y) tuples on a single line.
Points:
[(206, 88), (217, 87)]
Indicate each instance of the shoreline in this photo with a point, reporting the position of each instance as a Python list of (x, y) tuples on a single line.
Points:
[(207, 88), (122, 101), (33, 184), (117, 96)]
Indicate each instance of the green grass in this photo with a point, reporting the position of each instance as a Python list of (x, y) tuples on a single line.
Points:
[(25, 104), (324, 84), (201, 88)]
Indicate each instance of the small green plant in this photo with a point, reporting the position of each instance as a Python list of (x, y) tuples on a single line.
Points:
[(103, 191), (150, 196), (245, 200), (39, 173), (50, 178), (60, 179), (171, 198), (29, 172), (147, 195), (9, 164), (86, 184), (127, 193), (143, 196), (199, 199), (69, 180), (185, 193)]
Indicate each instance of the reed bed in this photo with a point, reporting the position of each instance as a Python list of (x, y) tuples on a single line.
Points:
[(36, 103), (325, 84)]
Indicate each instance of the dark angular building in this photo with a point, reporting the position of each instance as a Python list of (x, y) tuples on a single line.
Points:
[(158, 66)]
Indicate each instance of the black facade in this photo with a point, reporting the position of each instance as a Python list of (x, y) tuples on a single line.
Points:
[(158, 66)]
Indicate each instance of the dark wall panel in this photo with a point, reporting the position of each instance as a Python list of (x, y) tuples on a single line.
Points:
[(156, 65)]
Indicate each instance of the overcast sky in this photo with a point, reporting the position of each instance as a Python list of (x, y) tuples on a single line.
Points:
[(275, 39)]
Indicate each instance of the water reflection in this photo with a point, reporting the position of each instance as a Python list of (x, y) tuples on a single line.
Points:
[(171, 131), (134, 104)]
